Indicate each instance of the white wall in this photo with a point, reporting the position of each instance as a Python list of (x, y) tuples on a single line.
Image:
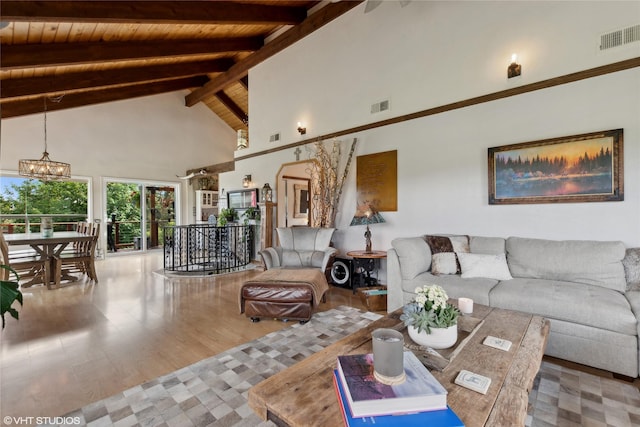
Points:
[(429, 54), (151, 138)]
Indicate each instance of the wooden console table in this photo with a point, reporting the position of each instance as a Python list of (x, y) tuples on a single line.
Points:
[(304, 395)]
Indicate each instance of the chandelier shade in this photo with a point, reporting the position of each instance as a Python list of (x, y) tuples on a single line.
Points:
[(44, 168)]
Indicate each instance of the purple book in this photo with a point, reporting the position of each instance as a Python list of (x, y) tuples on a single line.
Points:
[(366, 396)]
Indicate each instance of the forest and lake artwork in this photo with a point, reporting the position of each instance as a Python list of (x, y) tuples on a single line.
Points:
[(578, 168)]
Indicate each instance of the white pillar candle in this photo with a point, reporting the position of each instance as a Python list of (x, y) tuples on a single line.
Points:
[(465, 305)]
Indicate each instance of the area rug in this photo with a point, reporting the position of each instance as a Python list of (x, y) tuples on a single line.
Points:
[(213, 392), (566, 397)]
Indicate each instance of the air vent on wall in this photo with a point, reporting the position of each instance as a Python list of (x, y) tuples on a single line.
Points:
[(380, 106), (275, 137), (620, 37)]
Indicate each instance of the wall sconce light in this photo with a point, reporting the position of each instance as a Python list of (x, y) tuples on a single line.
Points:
[(246, 181), (301, 129), (514, 69)]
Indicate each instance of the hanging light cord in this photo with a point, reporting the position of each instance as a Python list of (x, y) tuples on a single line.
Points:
[(57, 99), (45, 124)]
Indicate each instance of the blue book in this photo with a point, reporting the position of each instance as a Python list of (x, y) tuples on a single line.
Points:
[(439, 418)]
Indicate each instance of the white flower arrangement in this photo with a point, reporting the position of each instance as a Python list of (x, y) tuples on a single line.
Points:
[(429, 309)]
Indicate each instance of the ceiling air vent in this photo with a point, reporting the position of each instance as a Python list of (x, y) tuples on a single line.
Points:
[(620, 37), (275, 137), (380, 106)]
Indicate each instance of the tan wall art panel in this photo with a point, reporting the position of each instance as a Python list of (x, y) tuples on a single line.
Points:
[(377, 180)]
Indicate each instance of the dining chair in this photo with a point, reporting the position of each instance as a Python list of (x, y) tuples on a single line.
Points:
[(27, 264), (82, 259)]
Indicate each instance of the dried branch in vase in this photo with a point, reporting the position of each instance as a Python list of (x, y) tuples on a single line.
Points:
[(326, 185)]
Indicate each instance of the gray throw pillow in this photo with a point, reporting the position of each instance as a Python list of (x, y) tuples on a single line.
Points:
[(631, 264)]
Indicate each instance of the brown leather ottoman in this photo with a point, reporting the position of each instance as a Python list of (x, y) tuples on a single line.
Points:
[(289, 294)]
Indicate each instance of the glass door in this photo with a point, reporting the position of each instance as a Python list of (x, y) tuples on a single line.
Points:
[(124, 217), (160, 212), (137, 213)]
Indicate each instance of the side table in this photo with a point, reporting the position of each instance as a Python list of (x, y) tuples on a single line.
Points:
[(368, 261)]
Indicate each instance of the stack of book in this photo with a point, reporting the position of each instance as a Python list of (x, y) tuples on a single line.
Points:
[(420, 400)]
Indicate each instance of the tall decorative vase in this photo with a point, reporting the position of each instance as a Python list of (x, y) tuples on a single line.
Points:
[(439, 338)]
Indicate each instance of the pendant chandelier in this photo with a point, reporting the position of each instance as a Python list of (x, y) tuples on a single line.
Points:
[(44, 168)]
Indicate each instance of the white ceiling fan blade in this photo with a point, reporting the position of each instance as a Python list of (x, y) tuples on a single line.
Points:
[(201, 172), (371, 4)]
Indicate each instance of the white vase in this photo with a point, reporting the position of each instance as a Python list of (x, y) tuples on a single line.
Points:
[(439, 338)]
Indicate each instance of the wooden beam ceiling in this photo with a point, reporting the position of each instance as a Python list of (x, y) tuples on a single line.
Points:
[(39, 55), (32, 86), (77, 99), (168, 12), (100, 51), (233, 107)]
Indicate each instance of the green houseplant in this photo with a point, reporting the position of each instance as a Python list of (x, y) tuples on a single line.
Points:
[(251, 213), (9, 293), (227, 215)]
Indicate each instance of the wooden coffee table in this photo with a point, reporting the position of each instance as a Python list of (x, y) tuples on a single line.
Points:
[(304, 395)]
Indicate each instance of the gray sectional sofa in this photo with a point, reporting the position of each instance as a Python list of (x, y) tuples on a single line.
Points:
[(583, 287)]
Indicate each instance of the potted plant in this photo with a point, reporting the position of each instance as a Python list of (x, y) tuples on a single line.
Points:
[(251, 213), (9, 292), (227, 215), (431, 321)]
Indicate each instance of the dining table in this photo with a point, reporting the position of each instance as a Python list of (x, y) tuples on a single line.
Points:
[(48, 248)]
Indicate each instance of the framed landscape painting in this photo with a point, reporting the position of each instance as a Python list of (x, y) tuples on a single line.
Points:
[(578, 168)]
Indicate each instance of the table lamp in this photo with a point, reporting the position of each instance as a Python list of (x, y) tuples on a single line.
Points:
[(365, 215)]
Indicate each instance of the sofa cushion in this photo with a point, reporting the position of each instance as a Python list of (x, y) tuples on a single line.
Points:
[(589, 305), (631, 263), (413, 254), (582, 261), (305, 238), (447, 245), (477, 289), (484, 265), (444, 263), (634, 299), (301, 258), (486, 245)]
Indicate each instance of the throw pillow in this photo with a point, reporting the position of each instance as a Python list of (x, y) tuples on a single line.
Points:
[(484, 265), (444, 263), (447, 244), (631, 263)]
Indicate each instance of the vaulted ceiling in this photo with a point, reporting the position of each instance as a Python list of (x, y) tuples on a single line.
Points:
[(90, 52)]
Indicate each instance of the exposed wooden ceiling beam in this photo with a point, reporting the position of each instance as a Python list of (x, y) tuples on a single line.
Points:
[(233, 107), (167, 12), (30, 86), (45, 55), (241, 68), (78, 99), (244, 81)]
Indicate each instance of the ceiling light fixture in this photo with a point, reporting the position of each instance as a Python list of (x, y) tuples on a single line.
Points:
[(44, 168), (514, 69), (301, 129)]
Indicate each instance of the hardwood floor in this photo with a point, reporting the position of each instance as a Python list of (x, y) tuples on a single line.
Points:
[(84, 342)]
